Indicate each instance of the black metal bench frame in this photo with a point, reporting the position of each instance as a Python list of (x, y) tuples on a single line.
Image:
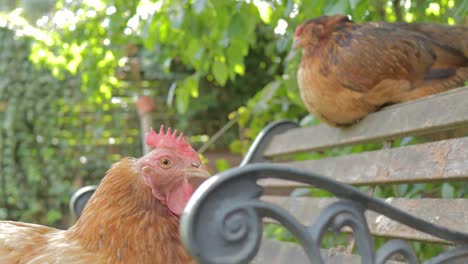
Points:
[(223, 221)]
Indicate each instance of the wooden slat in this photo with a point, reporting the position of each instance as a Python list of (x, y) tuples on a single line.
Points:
[(275, 252), (420, 117), (438, 161), (451, 213)]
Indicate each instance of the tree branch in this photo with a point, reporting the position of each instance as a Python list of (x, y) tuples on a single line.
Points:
[(397, 10)]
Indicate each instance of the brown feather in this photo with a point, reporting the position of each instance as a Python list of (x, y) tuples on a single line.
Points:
[(349, 70)]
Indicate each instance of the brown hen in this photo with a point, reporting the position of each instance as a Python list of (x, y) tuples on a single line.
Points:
[(133, 216), (351, 69)]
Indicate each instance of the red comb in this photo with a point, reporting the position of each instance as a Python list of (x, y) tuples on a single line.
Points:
[(298, 31), (169, 140)]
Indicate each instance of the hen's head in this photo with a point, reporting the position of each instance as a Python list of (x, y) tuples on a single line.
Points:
[(170, 169), (309, 33)]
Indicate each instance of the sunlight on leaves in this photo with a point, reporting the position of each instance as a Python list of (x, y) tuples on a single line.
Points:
[(239, 69), (105, 90), (434, 8), (265, 11), (409, 17)]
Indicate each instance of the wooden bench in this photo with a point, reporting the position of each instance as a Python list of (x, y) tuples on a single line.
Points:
[(223, 221)]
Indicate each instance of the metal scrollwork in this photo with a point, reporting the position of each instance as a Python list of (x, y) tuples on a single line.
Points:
[(223, 230), (345, 213), (393, 247), (236, 224), (222, 221), (458, 255)]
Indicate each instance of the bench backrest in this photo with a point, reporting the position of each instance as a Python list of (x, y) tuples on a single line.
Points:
[(444, 115), (221, 222)]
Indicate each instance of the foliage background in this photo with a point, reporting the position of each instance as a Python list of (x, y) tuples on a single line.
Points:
[(71, 71)]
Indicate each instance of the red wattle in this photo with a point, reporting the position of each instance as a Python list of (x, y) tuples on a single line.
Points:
[(178, 197)]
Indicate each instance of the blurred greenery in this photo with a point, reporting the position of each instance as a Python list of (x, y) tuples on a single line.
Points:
[(71, 71), (49, 139)]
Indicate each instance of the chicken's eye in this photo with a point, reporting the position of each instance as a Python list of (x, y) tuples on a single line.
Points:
[(165, 163)]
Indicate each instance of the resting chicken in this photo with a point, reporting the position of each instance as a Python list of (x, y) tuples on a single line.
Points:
[(349, 70), (133, 216)]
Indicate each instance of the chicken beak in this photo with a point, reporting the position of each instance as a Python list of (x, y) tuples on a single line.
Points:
[(197, 176)]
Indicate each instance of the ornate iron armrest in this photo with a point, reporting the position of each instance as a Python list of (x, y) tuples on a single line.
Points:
[(222, 222), (256, 150), (80, 198)]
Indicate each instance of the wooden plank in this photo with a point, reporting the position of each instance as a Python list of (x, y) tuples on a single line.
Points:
[(428, 115), (437, 161), (276, 252), (451, 213)]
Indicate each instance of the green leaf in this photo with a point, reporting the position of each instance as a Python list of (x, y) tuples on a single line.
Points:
[(194, 51), (244, 115), (222, 165), (234, 52), (220, 72), (235, 56), (236, 146), (163, 29), (183, 93), (182, 99), (238, 25), (191, 84)]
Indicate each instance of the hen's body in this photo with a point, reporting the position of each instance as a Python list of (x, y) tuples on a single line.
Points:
[(452, 37), (122, 223), (349, 70), (23, 243)]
